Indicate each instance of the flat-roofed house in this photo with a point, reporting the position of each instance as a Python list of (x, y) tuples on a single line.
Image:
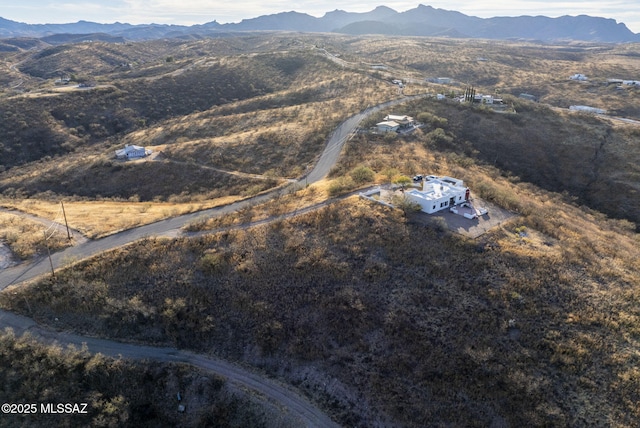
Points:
[(402, 120), (388, 126), (439, 193)]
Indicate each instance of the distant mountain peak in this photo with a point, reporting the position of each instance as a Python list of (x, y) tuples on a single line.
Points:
[(424, 20), (383, 9)]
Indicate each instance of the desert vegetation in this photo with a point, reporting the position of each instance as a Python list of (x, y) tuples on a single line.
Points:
[(116, 392), (531, 324), (26, 237), (265, 105), (380, 317), (213, 119)]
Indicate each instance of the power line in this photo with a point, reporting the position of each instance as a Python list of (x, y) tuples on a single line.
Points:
[(54, 224)]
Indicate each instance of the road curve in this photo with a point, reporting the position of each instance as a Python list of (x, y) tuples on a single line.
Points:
[(293, 401), (173, 226)]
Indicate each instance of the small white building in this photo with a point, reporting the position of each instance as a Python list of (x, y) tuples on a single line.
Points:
[(578, 76), (132, 152), (439, 193), (402, 120), (486, 99), (388, 126)]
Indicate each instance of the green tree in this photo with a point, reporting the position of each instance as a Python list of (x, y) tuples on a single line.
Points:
[(362, 174), (401, 180)]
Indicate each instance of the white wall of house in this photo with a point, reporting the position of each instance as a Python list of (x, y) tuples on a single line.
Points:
[(131, 152), (387, 126), (400, 120), (438, 194), (135, 152)]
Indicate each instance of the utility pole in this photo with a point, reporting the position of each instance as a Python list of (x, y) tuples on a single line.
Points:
[(53, 275), (65, 221)]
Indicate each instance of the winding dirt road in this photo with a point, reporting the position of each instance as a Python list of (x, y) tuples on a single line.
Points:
[(172, 227), (292, 401)]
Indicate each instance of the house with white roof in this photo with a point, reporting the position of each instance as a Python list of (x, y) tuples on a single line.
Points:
[(402, 120), (388, 126), (486, 99), (132, 152), (439, 193)]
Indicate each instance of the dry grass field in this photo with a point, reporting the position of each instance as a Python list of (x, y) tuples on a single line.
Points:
[(95, 219), (26, 238)]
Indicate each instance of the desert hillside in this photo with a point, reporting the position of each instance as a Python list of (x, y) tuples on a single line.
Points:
[(381, 316)]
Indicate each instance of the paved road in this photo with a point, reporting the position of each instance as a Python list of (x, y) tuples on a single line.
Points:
[(289, 399)]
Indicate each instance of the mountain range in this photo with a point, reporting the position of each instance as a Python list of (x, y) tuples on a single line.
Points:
[(420, 21)]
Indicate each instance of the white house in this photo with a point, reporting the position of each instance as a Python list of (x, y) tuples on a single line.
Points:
[(486, 99), (402, 120), (578, 76), (388, 126), (132, 152), (439, 193)]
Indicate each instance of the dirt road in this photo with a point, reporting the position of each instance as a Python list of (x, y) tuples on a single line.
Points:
[(172, 226), (289, 399)]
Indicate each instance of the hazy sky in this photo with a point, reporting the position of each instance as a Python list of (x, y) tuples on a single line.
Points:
[(200, 11)]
